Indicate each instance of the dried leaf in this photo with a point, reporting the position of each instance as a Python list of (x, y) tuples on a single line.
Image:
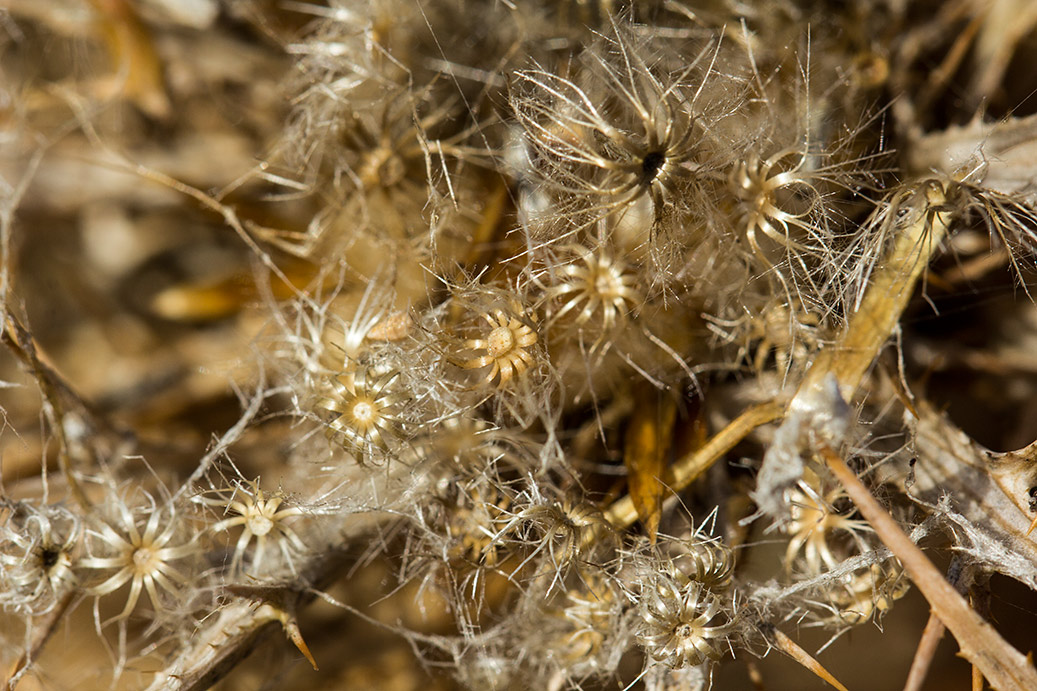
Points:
[(988, 493), (648, 438), (1005, 149), (690, 467), (693, 431), (210, 300), (138, 74)]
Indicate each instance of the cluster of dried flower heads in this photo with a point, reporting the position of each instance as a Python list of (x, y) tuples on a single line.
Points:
[(559, 344)]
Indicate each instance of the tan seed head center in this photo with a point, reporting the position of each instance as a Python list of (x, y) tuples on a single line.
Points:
[(500, 342)]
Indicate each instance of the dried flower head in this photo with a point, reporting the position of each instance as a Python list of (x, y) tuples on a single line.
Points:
[(575, 637), (780, 201), (682, 624), (567, 531), (140, 546), (505, 345), (872, 590), (614, 130), (591, 610), (37, 556), (710, 562), (470, 519), (365, 408), (776, 329), (261, 517), (816, 525), (594, 284)]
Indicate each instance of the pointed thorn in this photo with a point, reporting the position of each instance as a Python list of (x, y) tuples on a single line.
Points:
[(295, 636)]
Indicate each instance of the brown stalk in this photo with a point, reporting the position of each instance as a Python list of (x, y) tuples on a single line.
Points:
[(793, 650), (927, 645)]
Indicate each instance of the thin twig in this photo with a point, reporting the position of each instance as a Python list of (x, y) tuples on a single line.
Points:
[(927, 645), (793, 650)]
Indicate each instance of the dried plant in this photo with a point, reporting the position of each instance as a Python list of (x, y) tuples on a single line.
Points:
[(577, 345)]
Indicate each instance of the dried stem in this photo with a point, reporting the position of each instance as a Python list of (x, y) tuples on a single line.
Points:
[(793, 650), (888, 293), (927, 645), (837, 371), (216, 649), (46, 627), (227, 638), (58, 398)]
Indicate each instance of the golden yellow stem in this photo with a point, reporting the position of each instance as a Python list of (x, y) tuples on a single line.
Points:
[(883, 303)]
